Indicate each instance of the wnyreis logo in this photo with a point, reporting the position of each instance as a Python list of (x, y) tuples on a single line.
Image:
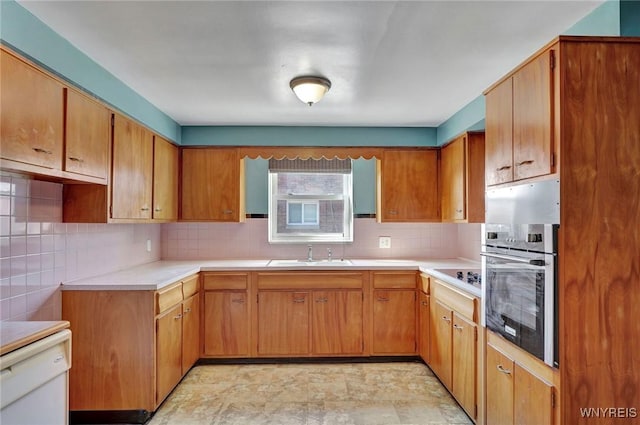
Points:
[(608, 412)]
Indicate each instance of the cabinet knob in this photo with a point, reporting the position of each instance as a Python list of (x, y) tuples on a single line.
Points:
[(188, 310), (178, 317), (40, 150), (75, 159), (144, 209), (459, 211), (527, 162), (503, 370), (446, 319), (158, 209), (458, 327), (393, 212), (424, 303)]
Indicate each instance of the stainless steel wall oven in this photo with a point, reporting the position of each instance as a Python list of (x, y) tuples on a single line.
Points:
[(519, 267)]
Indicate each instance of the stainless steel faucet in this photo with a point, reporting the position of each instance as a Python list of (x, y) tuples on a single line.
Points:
[(309, 253), (329, 255)]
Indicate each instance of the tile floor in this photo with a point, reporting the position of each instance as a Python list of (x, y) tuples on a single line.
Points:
[(310, 394)]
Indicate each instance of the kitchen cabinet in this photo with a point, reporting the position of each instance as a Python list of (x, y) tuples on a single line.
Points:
[(165, 180), (424, 342), (87, 135), (408, 186), (514, 394), (123, 368), (226, 326), (520, 122), (394, 313), (462, 165), (212, 185), (454, 346), (132, 175), (310, 313), (32, 114)]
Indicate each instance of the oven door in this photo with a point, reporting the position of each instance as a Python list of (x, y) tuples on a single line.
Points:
[(519, 299)]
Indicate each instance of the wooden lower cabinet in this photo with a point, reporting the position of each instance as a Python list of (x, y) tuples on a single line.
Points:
[(336, 322), (283, 323), (464, 349), (190, 332), (441, 342), (514, 394), (394, 321), (168, 351), (424, 342), (226, 323)]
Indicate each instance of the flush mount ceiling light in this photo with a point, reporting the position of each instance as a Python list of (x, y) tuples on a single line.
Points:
[(310, 89)]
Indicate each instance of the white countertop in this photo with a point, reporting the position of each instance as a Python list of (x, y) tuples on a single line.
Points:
[(158, 274)]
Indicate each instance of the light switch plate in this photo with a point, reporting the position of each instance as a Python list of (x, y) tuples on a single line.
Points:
[(384, 242), (148, 245)]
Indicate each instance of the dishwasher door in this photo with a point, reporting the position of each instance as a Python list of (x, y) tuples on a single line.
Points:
[(34, 382)]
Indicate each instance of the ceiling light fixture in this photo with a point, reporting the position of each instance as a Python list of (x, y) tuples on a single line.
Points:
[(310, 89)]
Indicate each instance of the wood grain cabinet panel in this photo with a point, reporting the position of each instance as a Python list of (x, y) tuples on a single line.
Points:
[(283, 323), (87, 131), (337, 326), (533, 399), (424, 342), (441, 342), (462, 172), (165, 180), (408, 186), (226, 323), (499, 134), (190, 332), (499, 396), (32, 105), (394, 321), (132, 175), (464, 363), (212, 185), (168, 351)]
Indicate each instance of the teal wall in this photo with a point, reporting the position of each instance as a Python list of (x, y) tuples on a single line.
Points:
[(604, 20), (25, 33), (470, 117), (630, 18)]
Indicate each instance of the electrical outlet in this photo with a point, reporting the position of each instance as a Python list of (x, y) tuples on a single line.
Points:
[(384, 242), (148, 245)]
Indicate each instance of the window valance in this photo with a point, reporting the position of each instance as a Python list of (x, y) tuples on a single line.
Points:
[(293, 152)]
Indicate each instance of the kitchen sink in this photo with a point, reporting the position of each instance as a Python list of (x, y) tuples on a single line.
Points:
[(307, 263)]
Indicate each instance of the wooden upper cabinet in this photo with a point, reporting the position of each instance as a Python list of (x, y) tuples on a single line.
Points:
[(88, 130), (165, 180), (32, 106), (520, 123), (462, 175), (532, 118), (212, 185), (408, 185), (132, 170)]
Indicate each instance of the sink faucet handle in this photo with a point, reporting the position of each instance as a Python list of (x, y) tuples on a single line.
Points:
[(309, 252), (329, 254)]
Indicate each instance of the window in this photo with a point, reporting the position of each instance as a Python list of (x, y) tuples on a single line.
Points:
[(310, 201)]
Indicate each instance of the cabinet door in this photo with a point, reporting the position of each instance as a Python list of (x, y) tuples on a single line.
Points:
[(88, 126), (211, 186), (168, 351), (32, 104), (533, 399), (132, 170), (499, 395), (283, 323), (454, 166), (409, 186), (499, 134), (394, 321), (190, 332), (165, 180), (337, 322), (465, 357), (441, 343), (226, 323), (425, 331), (532, 118)]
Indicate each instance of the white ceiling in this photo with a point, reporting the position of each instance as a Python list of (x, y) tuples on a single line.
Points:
[(391, 63)]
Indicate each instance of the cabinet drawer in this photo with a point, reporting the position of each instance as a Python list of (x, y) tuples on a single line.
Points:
[(313, 280), (213, 281), (168, 297), (425, 281), (394, 280), (465, 305), (189, 286)]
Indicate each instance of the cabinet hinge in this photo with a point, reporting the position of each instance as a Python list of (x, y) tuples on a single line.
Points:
[(475, 414), (475, 331), (552, 59), (113, 120), (553, 159)]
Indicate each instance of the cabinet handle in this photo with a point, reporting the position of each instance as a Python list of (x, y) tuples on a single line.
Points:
[(424, 303), (74, 159), (188, 310), (384, 300), (504, 167), (393, 212), (527, 162), (158, 209), (503, 370), (178, 317), (446, 319), (144, 209), (237, 300), (298, 300), (227, 212), (458, 211), (40, 150), (321, 300), (457, 327)]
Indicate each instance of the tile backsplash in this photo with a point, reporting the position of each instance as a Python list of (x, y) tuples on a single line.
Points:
[(38, 251)]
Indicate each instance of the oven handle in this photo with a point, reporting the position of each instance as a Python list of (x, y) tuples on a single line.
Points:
[(539, 263)]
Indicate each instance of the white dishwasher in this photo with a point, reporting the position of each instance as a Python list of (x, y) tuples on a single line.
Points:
[(34, 382)]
